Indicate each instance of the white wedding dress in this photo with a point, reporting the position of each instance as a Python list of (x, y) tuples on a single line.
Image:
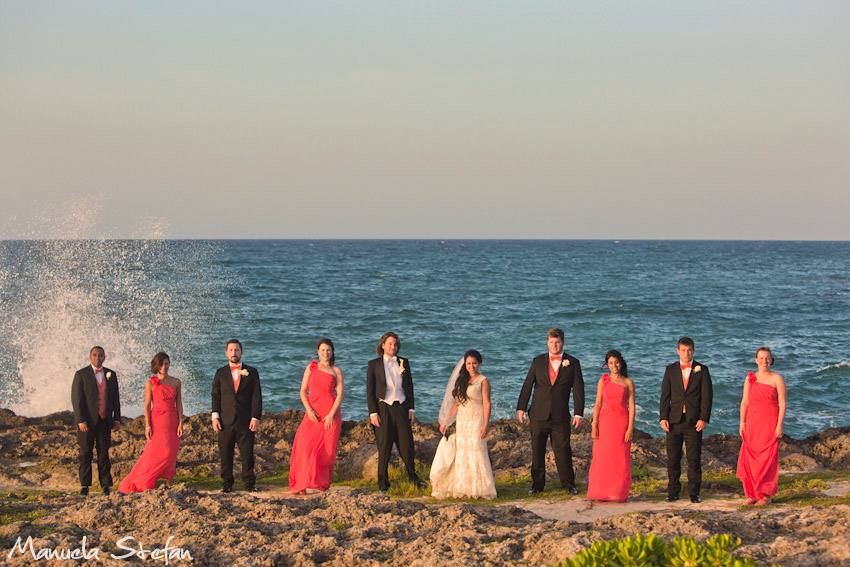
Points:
[(461, 467)]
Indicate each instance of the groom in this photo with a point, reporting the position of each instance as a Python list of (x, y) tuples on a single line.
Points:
[(685, 410), (237, 407), (389, 394), (97, 413), (552, 376)]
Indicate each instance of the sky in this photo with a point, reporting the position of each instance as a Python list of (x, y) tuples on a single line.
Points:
[(672, 120)]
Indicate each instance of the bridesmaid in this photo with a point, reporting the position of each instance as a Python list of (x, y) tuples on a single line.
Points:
[(315, 444), (612, 427), (762, 415), (163, 429)]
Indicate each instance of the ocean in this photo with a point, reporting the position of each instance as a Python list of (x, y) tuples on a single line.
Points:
[(443, 297)]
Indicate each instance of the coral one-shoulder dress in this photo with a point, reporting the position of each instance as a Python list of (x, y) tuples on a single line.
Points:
[(159, 459), (610, 476), (314, 447), (758, 461)]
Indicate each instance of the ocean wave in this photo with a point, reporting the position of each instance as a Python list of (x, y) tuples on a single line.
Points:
[(842, 364)]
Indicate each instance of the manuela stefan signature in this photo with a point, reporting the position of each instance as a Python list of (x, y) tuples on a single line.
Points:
[(125, 545)]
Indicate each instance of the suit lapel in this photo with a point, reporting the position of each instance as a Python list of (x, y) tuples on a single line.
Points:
[(230, 380), (381, 386)]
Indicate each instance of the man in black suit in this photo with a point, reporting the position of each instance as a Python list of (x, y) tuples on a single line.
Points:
[(551, 377), (97, 413), (237, 406), (685, 411), (389, 394)]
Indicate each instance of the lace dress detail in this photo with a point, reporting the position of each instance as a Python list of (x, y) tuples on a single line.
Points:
[(469, 475)]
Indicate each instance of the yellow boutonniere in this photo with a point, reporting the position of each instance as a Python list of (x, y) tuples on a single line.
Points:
[(565, 363), (697, 368), (400, 366), (108, 375), (244, 372)]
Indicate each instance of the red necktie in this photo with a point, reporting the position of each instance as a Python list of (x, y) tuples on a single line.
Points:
[(552, 373)]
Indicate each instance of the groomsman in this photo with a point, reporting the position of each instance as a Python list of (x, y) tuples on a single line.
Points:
[(552, 375), (389, 394), (97, 413), (237, 406), (685, 411)]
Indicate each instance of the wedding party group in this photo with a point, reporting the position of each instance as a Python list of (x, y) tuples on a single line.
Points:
[(461, 466)]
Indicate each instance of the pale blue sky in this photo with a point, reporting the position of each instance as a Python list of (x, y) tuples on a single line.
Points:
[(425, 120)]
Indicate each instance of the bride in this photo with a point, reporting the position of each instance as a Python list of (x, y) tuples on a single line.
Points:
[(461, 467)]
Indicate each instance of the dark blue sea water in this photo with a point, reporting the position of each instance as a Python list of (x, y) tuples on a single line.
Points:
[(442, 297)]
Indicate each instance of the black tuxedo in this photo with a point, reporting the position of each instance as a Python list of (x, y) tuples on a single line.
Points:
[(85, 401), (550, 415), (696, 402), (395, 419), (236, 409)]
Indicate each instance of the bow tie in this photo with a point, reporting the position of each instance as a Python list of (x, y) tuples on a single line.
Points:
[(684, 366), (553, 358), (232, 368)]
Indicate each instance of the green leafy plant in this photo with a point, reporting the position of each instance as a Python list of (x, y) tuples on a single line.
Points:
[(652, 551)]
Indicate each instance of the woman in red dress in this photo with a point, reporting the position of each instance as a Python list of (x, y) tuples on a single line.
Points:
[(314, 447), (163, 429), (762, 414), (612, 427)]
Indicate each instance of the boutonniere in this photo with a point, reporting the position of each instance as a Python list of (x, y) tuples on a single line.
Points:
[(400, 366), (108, 375), (565, 363), (244, 372), (697, 368)]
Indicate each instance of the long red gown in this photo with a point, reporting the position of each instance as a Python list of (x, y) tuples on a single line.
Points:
[(314, 447), (159, 459), (758, 461), (610, 476)]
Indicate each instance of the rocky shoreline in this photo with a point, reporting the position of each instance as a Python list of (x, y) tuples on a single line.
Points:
[(353, 525)]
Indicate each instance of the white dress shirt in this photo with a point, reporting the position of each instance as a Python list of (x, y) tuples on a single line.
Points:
[(395, 393)]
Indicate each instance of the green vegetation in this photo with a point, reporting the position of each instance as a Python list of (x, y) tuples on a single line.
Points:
[(11, 514), (652, 551)]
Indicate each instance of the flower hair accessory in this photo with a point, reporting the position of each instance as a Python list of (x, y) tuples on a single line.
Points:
[(244, 372), (565, 363), (697, 368)]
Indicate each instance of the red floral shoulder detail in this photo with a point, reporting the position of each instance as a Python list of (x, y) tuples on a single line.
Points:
[(751, 377), (314, 365), (155, 381), (606, 377)]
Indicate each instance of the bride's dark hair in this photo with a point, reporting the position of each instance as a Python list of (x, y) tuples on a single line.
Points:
[(463, 377)]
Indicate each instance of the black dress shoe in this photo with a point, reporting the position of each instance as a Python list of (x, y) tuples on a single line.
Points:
[(84, 491), (421, 484), (227, 488), (672, 497), (534, 491), (696, 499), (251, 488), (571, 490), (107, 490)]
